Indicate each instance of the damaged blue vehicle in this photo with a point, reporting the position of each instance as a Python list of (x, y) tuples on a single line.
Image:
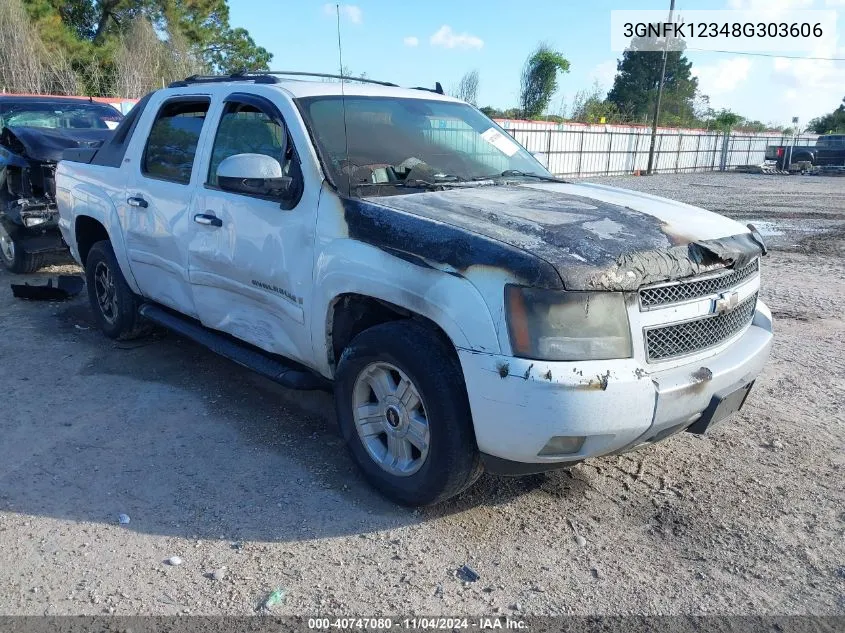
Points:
[(34, 131)]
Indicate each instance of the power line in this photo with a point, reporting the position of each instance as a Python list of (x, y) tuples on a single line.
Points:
[(711, 50)]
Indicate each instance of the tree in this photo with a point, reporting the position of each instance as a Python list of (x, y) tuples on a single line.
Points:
[(590, 106), (539, 79), (25, 63), (725, 120), (467, 89), (143, 62), (89, 27), (638, 77), (833, 122)]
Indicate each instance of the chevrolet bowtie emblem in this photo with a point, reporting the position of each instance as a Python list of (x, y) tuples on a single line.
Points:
[(726, 302)]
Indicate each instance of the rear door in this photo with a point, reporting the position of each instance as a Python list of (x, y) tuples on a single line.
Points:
[(251, 267), (160, 189)]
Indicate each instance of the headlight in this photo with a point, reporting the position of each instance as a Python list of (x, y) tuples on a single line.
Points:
[(34, 220), (560, 325)]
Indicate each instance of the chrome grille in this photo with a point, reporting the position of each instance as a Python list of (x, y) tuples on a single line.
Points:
[(694, 336), (695, 288)]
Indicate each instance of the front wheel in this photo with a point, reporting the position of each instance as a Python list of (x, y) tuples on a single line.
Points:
[(14, 257), (114, 304), (403, 411)]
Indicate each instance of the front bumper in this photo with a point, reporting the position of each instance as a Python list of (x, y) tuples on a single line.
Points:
[(518, 405), (41, 237)]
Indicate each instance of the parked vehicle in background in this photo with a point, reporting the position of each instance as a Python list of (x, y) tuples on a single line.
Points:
[(829, 150), (470, 310), (34, 131)]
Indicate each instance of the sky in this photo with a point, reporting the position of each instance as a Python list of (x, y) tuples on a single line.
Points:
[(418, 43)]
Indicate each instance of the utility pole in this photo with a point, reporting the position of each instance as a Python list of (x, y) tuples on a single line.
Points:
[(649, 171), (796, 130)]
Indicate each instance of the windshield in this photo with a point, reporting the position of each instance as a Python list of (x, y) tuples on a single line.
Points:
[(410, 143), (56, 114)]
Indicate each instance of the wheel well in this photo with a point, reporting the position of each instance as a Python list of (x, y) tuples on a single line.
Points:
[(88, 232), (351, 314)]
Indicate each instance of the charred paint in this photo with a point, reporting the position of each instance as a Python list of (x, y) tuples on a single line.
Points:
[(700, 377), (702, 374), (544, 238), (639, 268), (420, 239)]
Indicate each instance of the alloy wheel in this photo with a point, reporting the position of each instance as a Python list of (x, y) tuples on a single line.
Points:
[(390, 418)]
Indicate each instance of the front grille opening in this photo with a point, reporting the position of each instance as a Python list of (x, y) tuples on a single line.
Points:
[(681, 339), (696, 289)]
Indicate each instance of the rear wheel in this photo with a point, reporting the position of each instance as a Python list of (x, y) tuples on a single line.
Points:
[(403, 411), (14, 257), (114, 304)]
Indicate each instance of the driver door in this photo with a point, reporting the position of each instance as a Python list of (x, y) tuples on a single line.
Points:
[(251, 256)]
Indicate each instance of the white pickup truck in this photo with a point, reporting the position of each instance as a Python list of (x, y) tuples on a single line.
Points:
[(470, 310)]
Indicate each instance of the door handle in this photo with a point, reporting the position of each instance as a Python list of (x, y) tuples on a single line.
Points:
[(209, 219), (137, 201)]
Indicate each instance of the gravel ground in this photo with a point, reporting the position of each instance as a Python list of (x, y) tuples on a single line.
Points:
[(250, 485)]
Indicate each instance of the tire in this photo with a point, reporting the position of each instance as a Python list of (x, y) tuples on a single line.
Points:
[(15, 258), (114, 304), (402, 351)]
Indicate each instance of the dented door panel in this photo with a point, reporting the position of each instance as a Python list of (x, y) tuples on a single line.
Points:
[(252, 276)]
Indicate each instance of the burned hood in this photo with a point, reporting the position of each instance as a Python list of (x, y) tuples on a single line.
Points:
[(592, 237), (47, 144)]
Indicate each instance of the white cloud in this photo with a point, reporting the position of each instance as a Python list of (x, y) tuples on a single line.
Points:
[(351, 12), (445, 37), (411, 41), (722, 77), (817, 82)]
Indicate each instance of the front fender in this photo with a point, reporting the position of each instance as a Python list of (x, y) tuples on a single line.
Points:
[(452, 302)]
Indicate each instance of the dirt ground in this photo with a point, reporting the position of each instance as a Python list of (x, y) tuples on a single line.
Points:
[(235, 474)]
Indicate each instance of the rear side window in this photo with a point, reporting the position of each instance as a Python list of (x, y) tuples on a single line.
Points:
[(172, 144)]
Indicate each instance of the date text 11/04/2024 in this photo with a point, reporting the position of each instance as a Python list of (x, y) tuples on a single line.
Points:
[(419, 624)]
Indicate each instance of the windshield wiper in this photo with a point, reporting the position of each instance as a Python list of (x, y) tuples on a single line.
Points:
[(404, 184), (525, 174)]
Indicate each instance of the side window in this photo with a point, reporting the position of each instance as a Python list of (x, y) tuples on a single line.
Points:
[(173, 140), (246, 129)]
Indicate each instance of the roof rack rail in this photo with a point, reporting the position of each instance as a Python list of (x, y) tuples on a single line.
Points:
[(208, 79), (296, 73), (270, 77), (438, 88)]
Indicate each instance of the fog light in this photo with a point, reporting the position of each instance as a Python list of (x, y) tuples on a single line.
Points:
[(33, 220), (562, 445)]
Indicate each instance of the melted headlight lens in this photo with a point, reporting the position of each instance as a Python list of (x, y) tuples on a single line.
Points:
[(560, 325)]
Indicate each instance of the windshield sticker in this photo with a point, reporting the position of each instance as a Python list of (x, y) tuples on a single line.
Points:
[(500, 142), (110, 124)]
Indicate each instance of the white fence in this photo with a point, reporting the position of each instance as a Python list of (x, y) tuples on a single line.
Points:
[(574, 149)]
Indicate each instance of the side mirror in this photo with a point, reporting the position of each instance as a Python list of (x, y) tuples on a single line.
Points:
[(256, 174)]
